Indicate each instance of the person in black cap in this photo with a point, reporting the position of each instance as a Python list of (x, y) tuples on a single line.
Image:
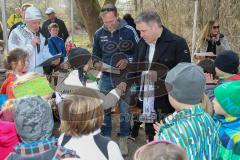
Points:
[(78, 59), (227, 69), (63, 32), (227, 66)]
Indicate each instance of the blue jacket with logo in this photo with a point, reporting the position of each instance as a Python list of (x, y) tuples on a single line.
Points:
[(107, 45)]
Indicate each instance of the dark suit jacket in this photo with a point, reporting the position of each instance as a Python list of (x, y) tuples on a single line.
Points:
[(170, 50)]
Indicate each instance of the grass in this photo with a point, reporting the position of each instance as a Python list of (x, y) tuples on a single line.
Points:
[(82, 40)]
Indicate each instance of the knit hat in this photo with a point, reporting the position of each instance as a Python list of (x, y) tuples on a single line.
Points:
[(32, 13), (227, 96), (227, 61), (187, 82), (33, 118), (78, 57)]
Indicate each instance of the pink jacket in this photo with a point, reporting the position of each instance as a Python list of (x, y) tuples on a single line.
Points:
[(7, 115), (8, 138)]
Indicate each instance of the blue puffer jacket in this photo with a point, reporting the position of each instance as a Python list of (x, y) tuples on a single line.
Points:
[(56, 45), (107, 44)]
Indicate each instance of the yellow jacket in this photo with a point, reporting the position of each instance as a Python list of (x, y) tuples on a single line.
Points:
[(13, 19)]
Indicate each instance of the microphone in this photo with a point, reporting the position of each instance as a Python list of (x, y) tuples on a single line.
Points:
[(38, 45)]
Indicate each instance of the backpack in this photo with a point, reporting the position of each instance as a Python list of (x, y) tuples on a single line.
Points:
[(101, 142), (15, 26)]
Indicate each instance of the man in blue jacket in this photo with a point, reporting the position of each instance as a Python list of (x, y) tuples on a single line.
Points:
[(114, 44)]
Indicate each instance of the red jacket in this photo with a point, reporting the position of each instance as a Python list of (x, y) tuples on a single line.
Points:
[(234, 78), (7, 86)]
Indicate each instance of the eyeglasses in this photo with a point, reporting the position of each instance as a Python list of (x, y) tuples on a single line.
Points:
[(215, 27), (108, 9)]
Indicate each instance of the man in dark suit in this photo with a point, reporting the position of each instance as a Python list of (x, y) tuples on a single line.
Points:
[(157, 45)]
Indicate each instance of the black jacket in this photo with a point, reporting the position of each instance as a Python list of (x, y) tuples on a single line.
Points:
[(63, 32), (170, 50)]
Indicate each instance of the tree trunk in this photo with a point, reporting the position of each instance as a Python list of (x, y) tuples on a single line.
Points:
[(136, 5), (200, 15), (20, 3), (141, 5), (46, 4), (89, 10), (217, 4)]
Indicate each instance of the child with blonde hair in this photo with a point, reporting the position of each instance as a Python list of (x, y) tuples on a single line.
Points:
[(82, 118)]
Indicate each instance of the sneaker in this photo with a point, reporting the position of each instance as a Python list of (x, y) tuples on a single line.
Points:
[(123, 145)]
